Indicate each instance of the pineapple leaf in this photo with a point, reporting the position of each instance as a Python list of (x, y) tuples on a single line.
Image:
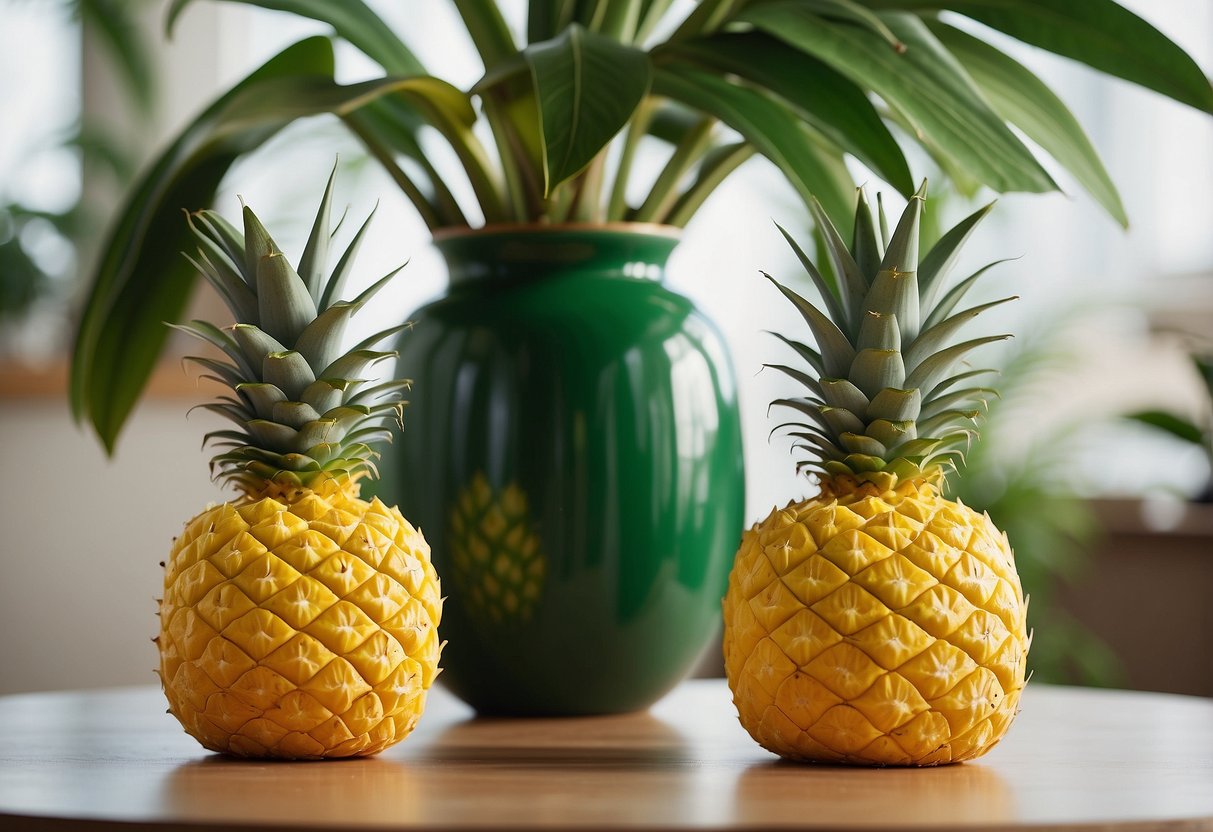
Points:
[(231, 289), (224, 235), (334, 287), (891, 433), (206, 331), (293, 414), (811, 356), (854, 282), (839, 392), (229, 374), (262, 396), (271, 435), (879, 331), (949, 383), (928, 374), (326, 393), (806, 407), (856, 443), (937, 264), (978, 397), (952, 299), (868, 252), (836, 351), (841, 421), (370, 342), (797, 375), (875, 370), (284, 306), (288, 371), (895, 405), (255, 344), (835, 301), (932, 340), (353, 363), (315, 252)]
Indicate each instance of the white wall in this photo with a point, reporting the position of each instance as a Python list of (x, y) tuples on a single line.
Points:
[(81, 539)]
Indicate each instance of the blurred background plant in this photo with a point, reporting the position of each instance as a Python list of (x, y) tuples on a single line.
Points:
[(1195, 434), (45, 243), (1021, 481)]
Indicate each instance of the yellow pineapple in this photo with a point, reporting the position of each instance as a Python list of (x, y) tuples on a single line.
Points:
[(298, 620), (495, 554), (878, 622)]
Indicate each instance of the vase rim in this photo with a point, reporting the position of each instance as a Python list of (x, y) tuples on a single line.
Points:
[(648, 229)]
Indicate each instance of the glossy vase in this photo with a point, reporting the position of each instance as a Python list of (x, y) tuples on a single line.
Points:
[(573, 453)]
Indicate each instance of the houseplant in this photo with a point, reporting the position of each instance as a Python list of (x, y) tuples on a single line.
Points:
[(792, 80)]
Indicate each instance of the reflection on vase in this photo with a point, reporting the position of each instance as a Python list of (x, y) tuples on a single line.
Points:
[(494, 552)]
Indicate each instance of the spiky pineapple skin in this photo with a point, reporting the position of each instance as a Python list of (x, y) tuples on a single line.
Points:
[(877, 626), (495, 552), (300, 625)]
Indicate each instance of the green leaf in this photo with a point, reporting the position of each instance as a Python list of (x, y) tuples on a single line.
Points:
[(488, 30), (1025, 101), (1171, 423), (587, 87), (1099, 33), (352, 20), (924, 83), (772, 128), (936, 266), (836, 351), (828, 100), (852, 12), (142, 279), (547, 17)]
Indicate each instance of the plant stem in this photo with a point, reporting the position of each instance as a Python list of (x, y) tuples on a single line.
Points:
[(587, 203), (650, 19), (637, 128), (691, 149), (620, 19), (518, 190), (488, 30), (714, 170), (429, 213), (707, 17)]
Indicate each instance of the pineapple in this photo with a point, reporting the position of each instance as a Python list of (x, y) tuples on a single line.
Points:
[(298, 620), (495, 555), (879, 623)]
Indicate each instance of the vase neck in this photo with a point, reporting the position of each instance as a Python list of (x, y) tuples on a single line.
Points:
[(531, 254)]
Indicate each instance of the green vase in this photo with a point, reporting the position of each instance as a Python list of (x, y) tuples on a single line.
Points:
[(573, 454)]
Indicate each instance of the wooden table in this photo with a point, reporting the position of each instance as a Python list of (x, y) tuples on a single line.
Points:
[(114, 760)]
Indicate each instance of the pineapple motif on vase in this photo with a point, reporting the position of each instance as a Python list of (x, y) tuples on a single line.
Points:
[(495, 553)]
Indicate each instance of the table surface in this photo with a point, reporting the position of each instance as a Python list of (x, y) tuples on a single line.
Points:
[(1075, 757)]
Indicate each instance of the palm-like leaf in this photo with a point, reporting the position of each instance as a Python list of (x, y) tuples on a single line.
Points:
[(793, 80)]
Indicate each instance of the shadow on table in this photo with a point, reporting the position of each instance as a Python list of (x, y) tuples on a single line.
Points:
[(632, 742)]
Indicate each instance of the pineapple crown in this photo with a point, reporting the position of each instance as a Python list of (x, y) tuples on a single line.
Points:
[(303, 412), (885, 397)]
